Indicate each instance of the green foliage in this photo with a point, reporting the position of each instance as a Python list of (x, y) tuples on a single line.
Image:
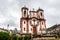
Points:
[(24, 38), (20, 38), (14, 37), (27, 38), (4, 36), (58, 35)]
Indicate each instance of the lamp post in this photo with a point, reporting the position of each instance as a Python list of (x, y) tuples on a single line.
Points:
[(7, 27)]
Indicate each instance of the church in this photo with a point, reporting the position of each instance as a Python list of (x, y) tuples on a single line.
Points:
[(32, 21)]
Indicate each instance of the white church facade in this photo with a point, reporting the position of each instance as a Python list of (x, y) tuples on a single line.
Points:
[(34, 22)]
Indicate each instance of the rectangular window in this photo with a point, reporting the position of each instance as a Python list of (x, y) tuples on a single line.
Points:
[(24, 13)]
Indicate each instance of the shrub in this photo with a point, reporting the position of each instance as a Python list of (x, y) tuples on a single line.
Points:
[(14, 37), (4, 36), (27, 38), (20, 38)]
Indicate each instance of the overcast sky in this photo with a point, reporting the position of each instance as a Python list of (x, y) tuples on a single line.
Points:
[(10, 11)]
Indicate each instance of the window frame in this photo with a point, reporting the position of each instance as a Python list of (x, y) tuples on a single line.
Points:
[(24, 13)]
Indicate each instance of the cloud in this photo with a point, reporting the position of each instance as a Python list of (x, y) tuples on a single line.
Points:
[(10, 11)]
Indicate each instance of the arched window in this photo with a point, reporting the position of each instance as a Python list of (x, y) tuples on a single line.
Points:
[(24, 29), (41, 13), (42, 23), (24, 13), (24, 22)]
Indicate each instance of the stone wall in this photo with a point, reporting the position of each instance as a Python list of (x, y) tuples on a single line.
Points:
[(44, 38)]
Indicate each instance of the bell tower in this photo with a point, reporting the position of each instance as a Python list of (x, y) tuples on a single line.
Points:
[(23, 20), (42, 20), (24, 12), (40, 13)]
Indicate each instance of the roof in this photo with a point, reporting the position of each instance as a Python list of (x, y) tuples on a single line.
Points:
[(24, 8), (3, 29), (32, 11), (40, 9), (53, 27)]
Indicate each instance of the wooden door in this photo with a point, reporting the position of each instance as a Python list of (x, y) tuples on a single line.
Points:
[(34, 30)]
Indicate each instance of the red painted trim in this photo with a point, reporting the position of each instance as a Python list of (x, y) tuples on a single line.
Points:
[(22, 14), (30, 15), (37, 14), (45, 25), (21, 24), (40, 27), (27, 26)]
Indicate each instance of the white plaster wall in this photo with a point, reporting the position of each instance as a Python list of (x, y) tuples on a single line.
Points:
[(43, 27), (38, 29), (24, 26), (30, 27), (31, 14), (35, 15)]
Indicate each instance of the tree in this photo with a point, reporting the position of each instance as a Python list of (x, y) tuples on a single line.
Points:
[(27, 37), (20, 38), (4, 36), (58, 35), (14, 37)]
